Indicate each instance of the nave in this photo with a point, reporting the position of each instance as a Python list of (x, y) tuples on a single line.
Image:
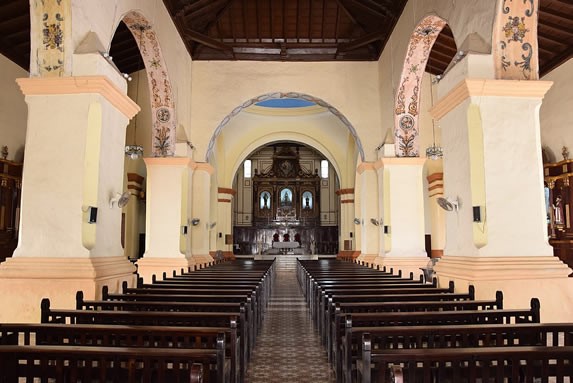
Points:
[(328, 321), (288, 349)]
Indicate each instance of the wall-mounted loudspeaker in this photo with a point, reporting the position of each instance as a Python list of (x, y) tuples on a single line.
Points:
[(92, 214), (477, 213), (386, 229)]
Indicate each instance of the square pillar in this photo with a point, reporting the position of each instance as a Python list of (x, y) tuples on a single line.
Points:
[(201, 210), (167, 228), (403, 202), (369, 213), (73, 167), (492, 164)]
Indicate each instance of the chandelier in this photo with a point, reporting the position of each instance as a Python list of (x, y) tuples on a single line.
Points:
[(136, 151), (434, 152)]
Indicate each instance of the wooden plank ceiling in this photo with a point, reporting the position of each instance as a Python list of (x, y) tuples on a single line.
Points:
[(289, 30)]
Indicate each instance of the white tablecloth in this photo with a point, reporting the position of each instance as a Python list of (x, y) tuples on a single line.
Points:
[(285, 245)]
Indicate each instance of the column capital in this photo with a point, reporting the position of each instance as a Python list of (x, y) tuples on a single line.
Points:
[(477, 87), (400, 161), (41, 86), (168, 161)]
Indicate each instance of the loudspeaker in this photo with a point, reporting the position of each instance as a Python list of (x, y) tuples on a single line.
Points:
[(351, 234), (477, 213), (92, 214), (220, 235), (386, 229), (184, 230)]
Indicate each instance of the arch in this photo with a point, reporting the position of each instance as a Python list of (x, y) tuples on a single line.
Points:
[(406, 106), (277, 95), (277, 137), (163, 116)]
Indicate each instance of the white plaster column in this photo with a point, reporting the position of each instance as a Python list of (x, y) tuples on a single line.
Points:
[(437, 214), (73, 166), (369, 212), (225, 220), (492, 160), (404, 214), (347, 226), (166, 218), (201, 209), (131, 211)]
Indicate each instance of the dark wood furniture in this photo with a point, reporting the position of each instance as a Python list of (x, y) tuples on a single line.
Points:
[(10, 195)]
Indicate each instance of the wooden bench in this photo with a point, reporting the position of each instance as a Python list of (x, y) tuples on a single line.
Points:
[(469, 365), (344, 337), (224, 340), (153, 318), (457, 336), (104, 364)]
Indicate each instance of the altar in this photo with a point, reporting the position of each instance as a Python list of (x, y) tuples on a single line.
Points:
[(285, 245)]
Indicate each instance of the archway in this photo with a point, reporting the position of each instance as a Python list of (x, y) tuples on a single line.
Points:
[(163, 116), (407, 103), (284, 95), (248, 128)]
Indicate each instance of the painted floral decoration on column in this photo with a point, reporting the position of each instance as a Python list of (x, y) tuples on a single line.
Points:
[(160, 89), (407, 105)]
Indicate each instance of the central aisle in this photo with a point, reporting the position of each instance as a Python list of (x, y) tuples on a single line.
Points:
[(288, 348)]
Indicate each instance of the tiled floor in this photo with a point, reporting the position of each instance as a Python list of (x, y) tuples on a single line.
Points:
[(288, 348)]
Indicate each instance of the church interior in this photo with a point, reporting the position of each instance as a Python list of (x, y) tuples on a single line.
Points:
[(153, 141)]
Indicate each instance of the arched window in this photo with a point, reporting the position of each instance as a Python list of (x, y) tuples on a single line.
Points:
[(306, 200), (324, 169), (247, 166)]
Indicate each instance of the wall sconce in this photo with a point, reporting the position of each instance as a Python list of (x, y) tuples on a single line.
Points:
[(375, 222), (195, 221), (357, 221)]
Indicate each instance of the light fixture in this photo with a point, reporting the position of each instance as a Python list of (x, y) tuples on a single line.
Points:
[(136, 151), (434, 152), (375, 222), (195, 221), (357, 221)]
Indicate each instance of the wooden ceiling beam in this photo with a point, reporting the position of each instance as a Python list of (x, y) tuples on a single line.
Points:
[(369, 9), (207, 10), (566, 2), (350, 16), (550, 38), (206, 40), (556, 61), (218, 16), (548, 11), (361, 41), (556, 27)]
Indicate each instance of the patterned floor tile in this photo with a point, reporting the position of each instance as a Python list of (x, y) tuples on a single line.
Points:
[(288, 348)]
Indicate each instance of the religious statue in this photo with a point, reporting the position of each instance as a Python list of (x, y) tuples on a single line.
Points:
[(4, 152), (558, 211), (286, 237), (276, 237), (565, 153)]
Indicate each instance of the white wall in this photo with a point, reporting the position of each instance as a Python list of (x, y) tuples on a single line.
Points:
[(556, 112), (13, 110)]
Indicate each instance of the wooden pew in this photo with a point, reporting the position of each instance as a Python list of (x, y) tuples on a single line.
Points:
[(153, 318), (457, 336), (344, 338), (103, 364), (469, 365), (222, 339)]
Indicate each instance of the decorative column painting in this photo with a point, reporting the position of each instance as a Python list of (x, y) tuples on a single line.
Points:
[(50, 24), (515, 40), (406, 110), (162, 102)]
